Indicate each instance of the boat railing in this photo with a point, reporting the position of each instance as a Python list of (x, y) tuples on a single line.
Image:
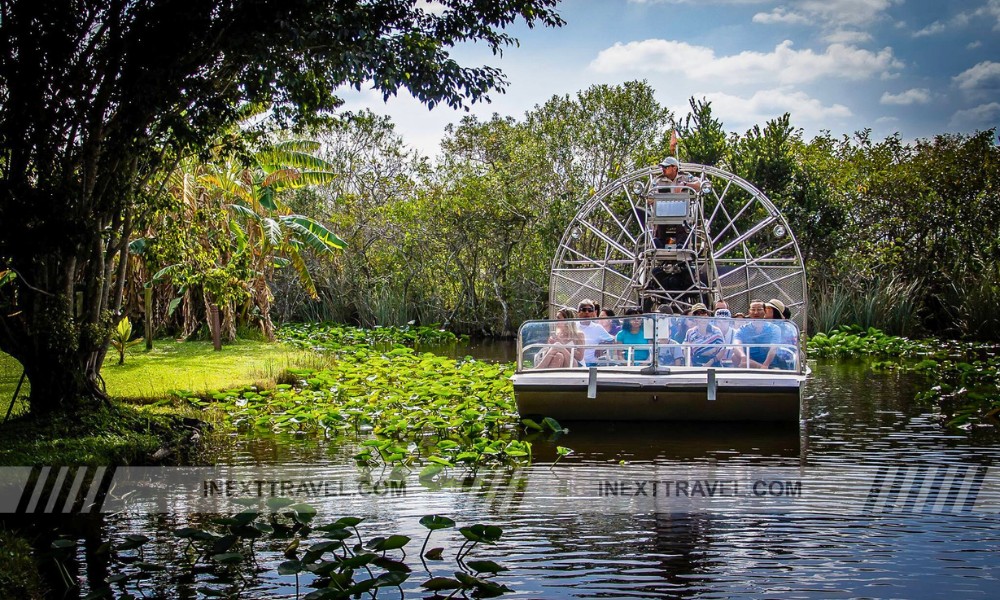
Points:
[(773, 343)]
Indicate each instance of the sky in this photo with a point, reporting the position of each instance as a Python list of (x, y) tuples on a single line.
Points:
[(914, 67)]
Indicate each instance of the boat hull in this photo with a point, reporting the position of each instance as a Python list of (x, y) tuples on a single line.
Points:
[(678, 396)]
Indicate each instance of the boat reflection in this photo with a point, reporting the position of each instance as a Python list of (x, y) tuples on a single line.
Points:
[(631, 441)]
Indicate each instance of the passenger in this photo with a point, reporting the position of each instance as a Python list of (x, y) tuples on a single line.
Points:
[(613, 326), (670, 352), (776, 309), (727, 357), (704, 338), (566, 349), (593, 332), (760, 336), (632, 335)]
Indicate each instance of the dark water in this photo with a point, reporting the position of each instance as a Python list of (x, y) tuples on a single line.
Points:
[(875, 499)]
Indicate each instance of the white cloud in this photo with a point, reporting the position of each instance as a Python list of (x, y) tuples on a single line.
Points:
[(783, 65), (432, 6), (830, 14), (990, 10), (912, 96), (764, 105), (984, 116), (884, 120), (982, 78), (932, 29), (780, 15), (846, 36), (973, 45)]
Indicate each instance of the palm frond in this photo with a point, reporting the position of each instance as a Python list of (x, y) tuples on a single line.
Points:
[(246, 211), (313, 233)]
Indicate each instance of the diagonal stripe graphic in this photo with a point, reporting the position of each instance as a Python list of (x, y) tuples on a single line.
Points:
[(95, 485), (74, 490), (43, 476), (56, 488)]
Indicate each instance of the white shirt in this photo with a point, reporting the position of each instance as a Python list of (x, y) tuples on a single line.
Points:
[(593, 333)]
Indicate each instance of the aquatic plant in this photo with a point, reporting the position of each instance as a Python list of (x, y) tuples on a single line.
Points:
[(962, 378), (333, 336), (228, 551), (405, 408)]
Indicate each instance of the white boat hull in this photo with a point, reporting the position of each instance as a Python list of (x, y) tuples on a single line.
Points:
[(683, 394)]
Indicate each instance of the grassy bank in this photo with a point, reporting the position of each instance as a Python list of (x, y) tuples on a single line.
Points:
[(173, 365), (127, 432)]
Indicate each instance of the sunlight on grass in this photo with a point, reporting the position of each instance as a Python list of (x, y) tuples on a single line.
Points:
[(195, 367), (173, 365)]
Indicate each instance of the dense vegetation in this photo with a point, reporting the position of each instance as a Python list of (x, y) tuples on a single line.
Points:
[(99, 101), (892, 231)]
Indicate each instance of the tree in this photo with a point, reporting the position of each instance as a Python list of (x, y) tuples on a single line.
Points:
[(98, 98), (225, 230), (702, 138), (604, 133)]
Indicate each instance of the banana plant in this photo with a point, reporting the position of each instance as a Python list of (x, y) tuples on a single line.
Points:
[(121, 339)]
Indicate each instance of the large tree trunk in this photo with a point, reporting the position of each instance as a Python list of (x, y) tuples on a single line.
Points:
[(57, 314)]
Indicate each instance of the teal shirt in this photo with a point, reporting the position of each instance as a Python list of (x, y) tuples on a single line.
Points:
[(627, 337)]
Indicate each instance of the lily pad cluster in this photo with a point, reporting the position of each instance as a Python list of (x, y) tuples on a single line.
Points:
[(963, 377), (333, 560), (405, 408)]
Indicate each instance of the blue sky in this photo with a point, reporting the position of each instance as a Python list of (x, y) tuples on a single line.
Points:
[(917, 67)]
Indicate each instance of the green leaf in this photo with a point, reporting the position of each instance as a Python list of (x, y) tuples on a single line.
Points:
[(439, 584), (392, 578), (553, 425), (313, 234), (393, 542), (290, 567), (529, 424), (434, 522), (485, 566)]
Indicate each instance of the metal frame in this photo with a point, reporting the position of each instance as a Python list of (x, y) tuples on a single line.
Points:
[(732, 251)]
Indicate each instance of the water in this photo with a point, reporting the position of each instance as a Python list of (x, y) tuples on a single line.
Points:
[(865, 521)]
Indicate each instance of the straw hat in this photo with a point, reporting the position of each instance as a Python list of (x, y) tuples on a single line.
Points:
[(777, 305)]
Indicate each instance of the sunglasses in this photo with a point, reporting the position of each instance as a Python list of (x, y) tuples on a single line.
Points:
[(585, 309)]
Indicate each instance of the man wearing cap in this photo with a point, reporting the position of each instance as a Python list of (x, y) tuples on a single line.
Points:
[(703, 338), (729, 355), (671, 181)]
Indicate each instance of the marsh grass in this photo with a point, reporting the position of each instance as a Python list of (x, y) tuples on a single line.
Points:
[(885, 303)]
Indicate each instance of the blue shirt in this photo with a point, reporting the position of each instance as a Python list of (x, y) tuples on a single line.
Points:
[(768, 334)]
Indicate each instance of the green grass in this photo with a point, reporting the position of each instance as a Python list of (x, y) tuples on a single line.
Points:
[(172, 365), (196, 367), (124, 433)]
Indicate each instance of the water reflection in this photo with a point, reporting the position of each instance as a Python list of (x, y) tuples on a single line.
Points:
[(862, 437)]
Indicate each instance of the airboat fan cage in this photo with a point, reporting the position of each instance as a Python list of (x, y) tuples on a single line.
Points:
[(725, 240)]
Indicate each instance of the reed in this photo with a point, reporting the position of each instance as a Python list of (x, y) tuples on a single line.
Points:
[(885, 303)]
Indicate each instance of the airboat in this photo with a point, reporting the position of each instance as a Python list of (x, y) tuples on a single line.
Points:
[(640, 243)]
